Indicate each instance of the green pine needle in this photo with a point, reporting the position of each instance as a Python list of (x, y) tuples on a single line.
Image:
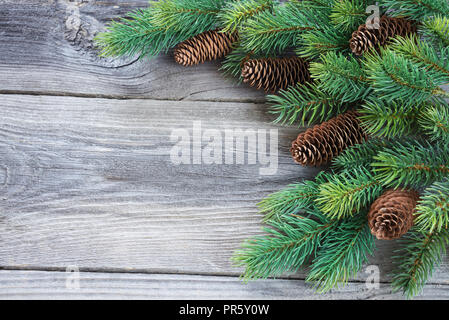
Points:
[(327, 38), (421, 253), (234, 15), (412, 164), (432, 212), (347, 193), (342, 254), (341, 77), (434, 121), (348, 15), (188, 17), (436, 29), (274, 32), (394, 77), (417, 9), (292, 199), (424, 55), (135, 35), (287, 246), (360, 155), (389, 120), (304, 104)]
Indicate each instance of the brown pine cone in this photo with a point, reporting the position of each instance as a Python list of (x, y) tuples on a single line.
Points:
[(273, 74), (391, 215), (209, 45), (320, 144), (363, 39)]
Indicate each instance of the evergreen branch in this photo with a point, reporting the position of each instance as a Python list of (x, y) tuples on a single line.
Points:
[(315, 43), (424, 55), (187, 17), (411, 164), (234, 15), (432, 212), (342, 254), (360, 155), (347, 193), (289, 200), (233, 63), (286, 247), (292, 199), (434, 120), (389, 119), (135, 35), (304, 103), (394, 77), (341, 77), (421, 253), (348, 15), (437, 29), (156, 29), (274, 32), (417, 9)]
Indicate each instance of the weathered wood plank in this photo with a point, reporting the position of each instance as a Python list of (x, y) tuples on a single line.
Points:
[(90, 182), (53, 285), (47, 47)]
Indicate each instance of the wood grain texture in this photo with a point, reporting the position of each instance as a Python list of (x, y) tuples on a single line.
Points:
[(47, 48), (52, 285), (90, 182)]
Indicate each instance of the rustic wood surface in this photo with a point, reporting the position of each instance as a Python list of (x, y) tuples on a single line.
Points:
[(86, 177)]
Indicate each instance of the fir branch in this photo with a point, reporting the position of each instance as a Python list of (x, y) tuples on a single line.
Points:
[(389, 120), (286, 247), (187, 17), (436, 29), (424, 55), (416, 9), (289, 200), (292, 199), (434, 121), (394, 77), (156, 29), (348, 15), (360, 155), (135, 35), (347, 193), (274, 32), (432, 212), (315, 43), (234, 15), (233, 63), (304, 103), (420, 254), (341, 77), (412, 164), (342, 254)]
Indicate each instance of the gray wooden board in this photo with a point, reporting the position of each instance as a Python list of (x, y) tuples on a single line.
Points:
[(89, 181), (60, 285), (86, 178)]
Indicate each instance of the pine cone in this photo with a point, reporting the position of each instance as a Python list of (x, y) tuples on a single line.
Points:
[(363, 39), (209, 45), (273, 74), (320, 144), (391, 215)]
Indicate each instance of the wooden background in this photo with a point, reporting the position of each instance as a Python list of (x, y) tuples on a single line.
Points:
[(86, 179)]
